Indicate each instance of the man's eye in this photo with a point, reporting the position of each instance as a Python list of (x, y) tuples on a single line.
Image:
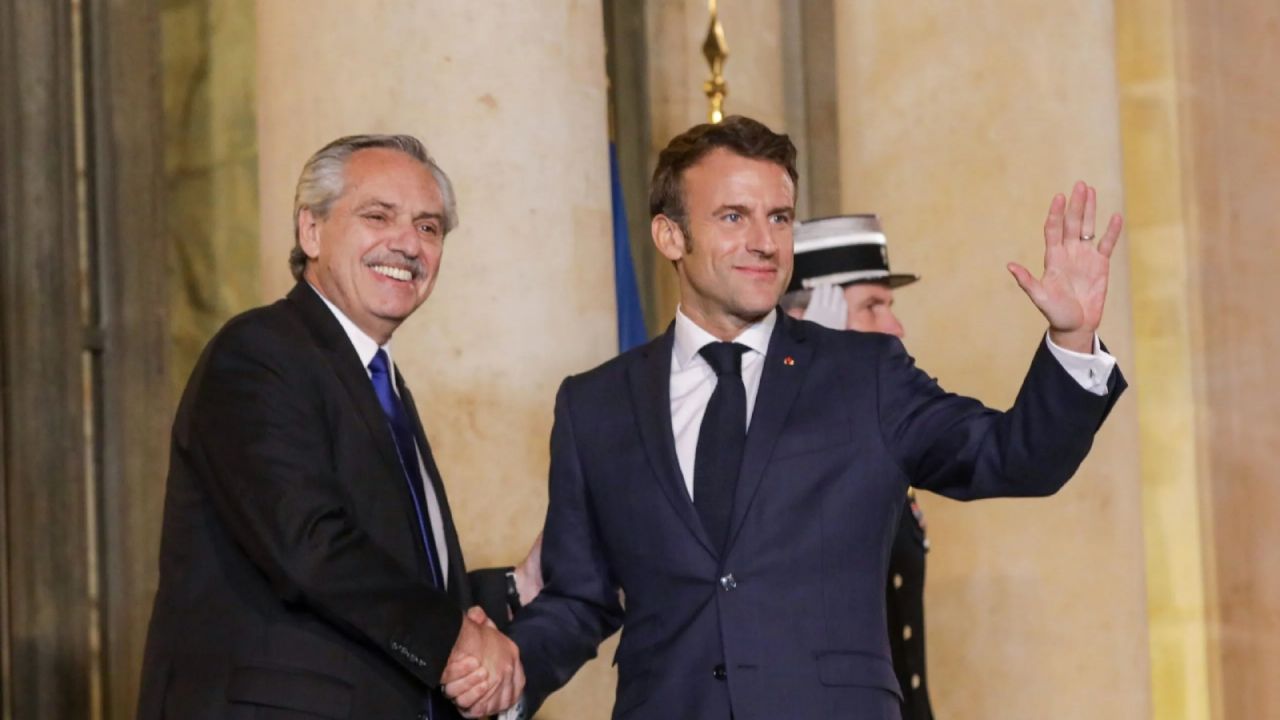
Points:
[(732, 217), (781, 219), (428, 229), (376, 217)]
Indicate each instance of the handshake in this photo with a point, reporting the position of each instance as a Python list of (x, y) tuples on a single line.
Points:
[(483, 675)]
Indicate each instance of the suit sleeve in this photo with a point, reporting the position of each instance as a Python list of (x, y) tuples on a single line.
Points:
[(489, 591), (578, 606), (956, 447), (261, 440)]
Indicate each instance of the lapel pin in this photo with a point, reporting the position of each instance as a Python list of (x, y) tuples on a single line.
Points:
[(788, 361)]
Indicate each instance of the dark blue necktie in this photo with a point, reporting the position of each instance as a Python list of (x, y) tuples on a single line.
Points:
[(721, 440), (402, 432)]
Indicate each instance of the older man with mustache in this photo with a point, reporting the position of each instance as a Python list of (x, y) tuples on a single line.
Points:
[(309, 564)]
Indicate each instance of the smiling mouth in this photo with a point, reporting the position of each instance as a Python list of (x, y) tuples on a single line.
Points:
[(395, 273)]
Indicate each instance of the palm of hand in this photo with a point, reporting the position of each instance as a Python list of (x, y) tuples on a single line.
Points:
[(1075, 286), (1073, 289)]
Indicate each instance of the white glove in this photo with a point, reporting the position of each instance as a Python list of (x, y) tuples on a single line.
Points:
[(827, 307)]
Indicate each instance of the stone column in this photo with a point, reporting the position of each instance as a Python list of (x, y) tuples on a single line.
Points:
[(1035, 607), (510, 99), (1201, 126)]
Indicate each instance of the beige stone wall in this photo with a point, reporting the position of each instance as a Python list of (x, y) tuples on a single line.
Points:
[(957, 127), (510, 98)]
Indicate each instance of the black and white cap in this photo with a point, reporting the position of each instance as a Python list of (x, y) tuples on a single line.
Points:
[(843, 250)]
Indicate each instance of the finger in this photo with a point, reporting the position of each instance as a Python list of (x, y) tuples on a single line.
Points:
[(477, 615), (1075, 212), (461, 667), (1053, 222), (474, 694), (1090, 212), (464, 683), (1027, 282), (1112, 236), (484, 703)]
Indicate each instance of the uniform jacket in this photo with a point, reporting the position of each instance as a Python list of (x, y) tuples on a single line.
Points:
[(904, 607)]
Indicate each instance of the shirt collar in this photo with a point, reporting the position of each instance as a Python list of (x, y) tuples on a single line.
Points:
[(365, 346), (690, 338)]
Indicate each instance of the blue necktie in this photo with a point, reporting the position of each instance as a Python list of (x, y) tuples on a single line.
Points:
[(402, 432), (721, 440)]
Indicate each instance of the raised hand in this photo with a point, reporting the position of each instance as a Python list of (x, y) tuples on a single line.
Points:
[(483, 675), (1073, 289)]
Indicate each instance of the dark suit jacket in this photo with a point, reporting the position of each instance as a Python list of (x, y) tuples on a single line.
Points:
[(790, 621), (292, 581)]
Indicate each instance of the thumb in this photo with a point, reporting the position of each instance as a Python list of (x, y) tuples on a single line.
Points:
[(477, 615), (1027, 282)]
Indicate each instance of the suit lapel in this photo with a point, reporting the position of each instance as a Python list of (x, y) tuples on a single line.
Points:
[(342, 357), (785, 366), (650, 380), (457, 585)]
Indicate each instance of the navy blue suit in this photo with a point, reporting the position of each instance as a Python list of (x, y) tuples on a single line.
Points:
[(789, 622)]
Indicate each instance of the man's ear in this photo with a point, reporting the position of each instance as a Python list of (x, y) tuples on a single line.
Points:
[(667, 237), (309, 233)]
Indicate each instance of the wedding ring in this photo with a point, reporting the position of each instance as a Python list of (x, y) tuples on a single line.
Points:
[(1087, 238)]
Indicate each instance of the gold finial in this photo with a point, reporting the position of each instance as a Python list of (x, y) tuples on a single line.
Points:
[(716, 50)]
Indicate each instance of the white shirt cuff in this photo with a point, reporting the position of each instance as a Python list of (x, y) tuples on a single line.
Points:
[(1091, 371), (515, 712)]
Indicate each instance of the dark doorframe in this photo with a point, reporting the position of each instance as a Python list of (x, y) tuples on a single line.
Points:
[(83, 343)]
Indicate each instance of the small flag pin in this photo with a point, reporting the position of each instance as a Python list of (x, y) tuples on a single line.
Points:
[(788, 360)]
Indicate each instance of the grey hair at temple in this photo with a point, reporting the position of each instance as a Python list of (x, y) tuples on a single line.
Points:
[(323, 177)]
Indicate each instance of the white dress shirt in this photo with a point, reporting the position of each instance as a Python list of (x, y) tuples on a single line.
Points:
[(366, 347), (693, 380)]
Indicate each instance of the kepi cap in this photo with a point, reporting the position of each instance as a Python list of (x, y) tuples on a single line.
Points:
[(843, 250)]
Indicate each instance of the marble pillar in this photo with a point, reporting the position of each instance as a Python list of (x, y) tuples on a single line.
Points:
[(510, 98)]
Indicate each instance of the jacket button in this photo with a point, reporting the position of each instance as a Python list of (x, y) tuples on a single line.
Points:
[(718, 672), (728, 582), (906, 632)]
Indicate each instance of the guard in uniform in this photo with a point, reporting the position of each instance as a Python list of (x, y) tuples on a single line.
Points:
[(842, 280)]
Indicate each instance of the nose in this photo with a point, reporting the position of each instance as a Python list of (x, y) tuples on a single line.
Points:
[(892, 326), (760, 240), (404, 239)]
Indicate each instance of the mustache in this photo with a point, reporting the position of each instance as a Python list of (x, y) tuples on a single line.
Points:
[(396, 259)]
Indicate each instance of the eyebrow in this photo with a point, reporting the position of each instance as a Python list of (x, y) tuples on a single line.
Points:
[(384, 205)]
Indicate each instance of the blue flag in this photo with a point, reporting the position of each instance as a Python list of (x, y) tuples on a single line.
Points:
[(631, 330)]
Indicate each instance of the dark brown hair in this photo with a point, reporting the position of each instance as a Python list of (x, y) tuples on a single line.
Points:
[(736, 133)]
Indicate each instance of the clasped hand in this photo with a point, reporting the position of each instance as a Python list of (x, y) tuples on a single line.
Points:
[(483, 675)]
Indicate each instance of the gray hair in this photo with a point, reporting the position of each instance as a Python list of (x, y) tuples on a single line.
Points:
[(323, 179)]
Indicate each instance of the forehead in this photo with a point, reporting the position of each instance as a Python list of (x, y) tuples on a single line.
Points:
[(390, 176), (723, 177)]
